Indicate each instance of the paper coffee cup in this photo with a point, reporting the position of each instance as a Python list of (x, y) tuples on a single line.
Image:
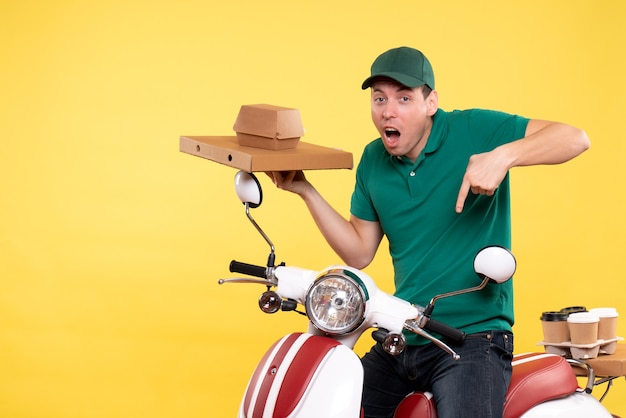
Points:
[(583, 327), (555, 328), (607, 327)]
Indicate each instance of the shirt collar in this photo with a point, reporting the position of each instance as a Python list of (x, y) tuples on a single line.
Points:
[(437, 133), (434, 141)]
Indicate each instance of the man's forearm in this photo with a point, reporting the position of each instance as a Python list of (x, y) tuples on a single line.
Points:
[(547, 143)]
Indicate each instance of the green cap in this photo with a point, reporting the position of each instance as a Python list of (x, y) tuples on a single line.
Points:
[(405, 65)]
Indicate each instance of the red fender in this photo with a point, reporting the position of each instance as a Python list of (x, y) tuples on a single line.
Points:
[(297, 378)]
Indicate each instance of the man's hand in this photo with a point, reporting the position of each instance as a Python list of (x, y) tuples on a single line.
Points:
[(292, 181), (483, 175), (544, 143)]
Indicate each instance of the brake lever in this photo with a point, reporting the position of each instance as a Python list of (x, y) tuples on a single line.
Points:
[(265, 282), (413, 326)]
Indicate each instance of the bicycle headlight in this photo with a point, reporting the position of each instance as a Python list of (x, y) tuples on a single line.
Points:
[(335, 303)]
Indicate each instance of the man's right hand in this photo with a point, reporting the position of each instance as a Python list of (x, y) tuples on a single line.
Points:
[(292, 181)]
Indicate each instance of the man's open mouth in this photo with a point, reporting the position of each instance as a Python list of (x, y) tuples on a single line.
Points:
[(392, 134)]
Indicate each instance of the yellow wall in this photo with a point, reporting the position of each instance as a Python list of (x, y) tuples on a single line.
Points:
[(111, 240)]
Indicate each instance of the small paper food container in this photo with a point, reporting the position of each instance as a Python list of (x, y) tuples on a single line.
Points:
[(268, 126)]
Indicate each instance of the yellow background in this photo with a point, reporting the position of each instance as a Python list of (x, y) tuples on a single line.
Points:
[(111, 240)]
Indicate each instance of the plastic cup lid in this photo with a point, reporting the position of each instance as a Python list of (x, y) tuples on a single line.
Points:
[(583, 318), (604, 312), (553, 316)]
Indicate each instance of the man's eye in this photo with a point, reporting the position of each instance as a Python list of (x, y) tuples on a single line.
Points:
[(405, 99), (379, 99)]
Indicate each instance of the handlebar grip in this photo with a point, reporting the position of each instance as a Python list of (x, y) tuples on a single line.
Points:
[(248, 269), (453, 334)]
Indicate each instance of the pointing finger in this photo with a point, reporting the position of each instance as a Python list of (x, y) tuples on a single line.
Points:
[(463, 191)]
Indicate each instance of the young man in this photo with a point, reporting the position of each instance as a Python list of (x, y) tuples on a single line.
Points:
[(436, 184)]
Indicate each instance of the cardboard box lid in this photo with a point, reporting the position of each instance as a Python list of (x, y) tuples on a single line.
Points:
[(269, 121), (226, 150)]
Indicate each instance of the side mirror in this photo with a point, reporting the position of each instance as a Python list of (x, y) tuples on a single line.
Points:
[(249, 192), (492, 264), (495, 263), (248, 189)]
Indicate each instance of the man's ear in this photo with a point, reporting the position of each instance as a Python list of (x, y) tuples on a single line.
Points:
[(432, 102)]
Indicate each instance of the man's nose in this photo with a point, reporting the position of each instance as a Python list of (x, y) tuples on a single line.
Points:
[(389, 111)]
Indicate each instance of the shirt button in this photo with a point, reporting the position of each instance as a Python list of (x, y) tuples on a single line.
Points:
[(412, 174)]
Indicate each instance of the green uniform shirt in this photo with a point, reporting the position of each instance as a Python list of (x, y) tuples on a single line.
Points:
[(431, 245)]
